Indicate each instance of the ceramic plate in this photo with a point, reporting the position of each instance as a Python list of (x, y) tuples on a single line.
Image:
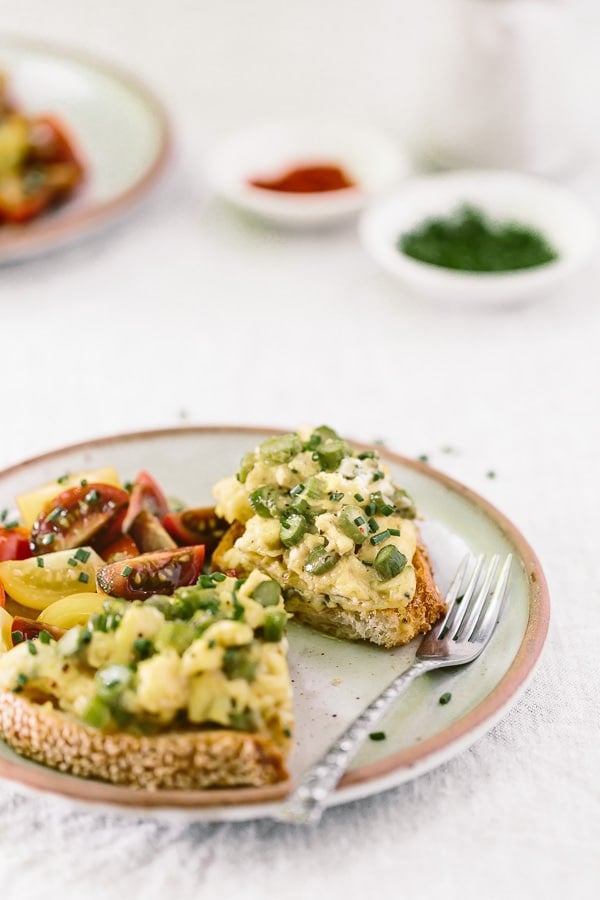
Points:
[(333, 680), (119, 130)]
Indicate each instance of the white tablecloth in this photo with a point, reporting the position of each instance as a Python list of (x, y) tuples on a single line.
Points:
[(189, 313)]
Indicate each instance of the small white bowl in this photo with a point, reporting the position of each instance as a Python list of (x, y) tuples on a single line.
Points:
[(554, 211), (370, 158)]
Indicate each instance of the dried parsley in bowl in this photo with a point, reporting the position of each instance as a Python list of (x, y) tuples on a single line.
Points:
[(470, 241)]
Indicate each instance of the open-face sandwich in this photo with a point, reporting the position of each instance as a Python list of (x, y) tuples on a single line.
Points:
[(184, 691), (329, 525)]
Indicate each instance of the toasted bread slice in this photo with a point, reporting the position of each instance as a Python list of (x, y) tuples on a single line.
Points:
[(388, 627), (177, 759)]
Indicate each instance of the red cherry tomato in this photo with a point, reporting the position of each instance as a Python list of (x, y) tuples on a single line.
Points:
[(195, 526), (14, 544), (49, 142), (148, 495), (122, 548), (79, 516), (29, 629), (151, 573), (2, 595)]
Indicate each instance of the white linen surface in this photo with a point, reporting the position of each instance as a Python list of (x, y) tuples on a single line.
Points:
[(188, 312)]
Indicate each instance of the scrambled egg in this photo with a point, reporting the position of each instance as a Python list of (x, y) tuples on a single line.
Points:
[(213, 654), (322, 519)]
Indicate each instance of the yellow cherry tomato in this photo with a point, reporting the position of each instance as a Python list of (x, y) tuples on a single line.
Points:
[(31, 504), (5, 630), (73, 610), (41, 580)]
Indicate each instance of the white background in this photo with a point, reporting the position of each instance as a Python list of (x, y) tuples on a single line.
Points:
[(189, 313)]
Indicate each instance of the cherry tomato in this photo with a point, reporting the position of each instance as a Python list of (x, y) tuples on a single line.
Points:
[(2, 596), (151, 573), (194, 526), (40, 580), (14, 543), (33, 502), (79, 515), (149, 535), (145, 494), (29, 629), (121, 548), (49, 142)]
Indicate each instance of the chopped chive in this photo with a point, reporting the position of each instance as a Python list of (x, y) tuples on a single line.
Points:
[(39, 562), (335, 496), (45, 637), (423, 458), (126, 570), (92, 496), (55, 514), (62, 479), (83, 482), (82, 555), (83, 577), (394, 531), (445, 698), (22, 679), (32, 648), (297, 490), (49, 538), (360, 520), (17, 637), (367, 454), (377, 476), (373, 526), (72, 561), (359, 497), (382, 536), (366, 563), (387, 510), (238, 583), (128, 486), (218, 576), (377, 735), (371, 508), (460, 599), (490, 474), (10, 525), (205, 581), (3, 515)]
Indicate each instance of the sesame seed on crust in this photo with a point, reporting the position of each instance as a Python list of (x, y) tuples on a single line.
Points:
[(177, 759)]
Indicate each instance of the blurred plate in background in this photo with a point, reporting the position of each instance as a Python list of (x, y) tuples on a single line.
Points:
[(118, 129)]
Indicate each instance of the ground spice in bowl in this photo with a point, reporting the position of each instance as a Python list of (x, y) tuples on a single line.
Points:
[(470, 241), (307, 180)]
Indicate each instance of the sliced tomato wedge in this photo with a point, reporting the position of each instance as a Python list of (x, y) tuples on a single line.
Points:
[(149, 534), (122, 548), (151, 573), (14, 543), (29, 629), (195, 526), (79, 516), (148, 495), (50, 143)]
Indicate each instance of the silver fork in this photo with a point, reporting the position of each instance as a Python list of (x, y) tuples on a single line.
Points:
[(458, 638)]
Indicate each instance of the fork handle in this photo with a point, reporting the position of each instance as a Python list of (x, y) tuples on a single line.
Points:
[(306, 804)]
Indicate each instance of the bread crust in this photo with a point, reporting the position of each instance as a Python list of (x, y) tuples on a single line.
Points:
[(386, 627), (185, 759)]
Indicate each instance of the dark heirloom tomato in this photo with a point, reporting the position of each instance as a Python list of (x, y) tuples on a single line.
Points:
[(14, 544), (146, 494), (149, 534), (28, 629), (81, 515), (151, 573), (192, 526)]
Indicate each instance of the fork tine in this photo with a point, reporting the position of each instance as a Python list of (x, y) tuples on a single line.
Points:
[(486, 624), (471, 617), (451, 595), (458, 612)]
